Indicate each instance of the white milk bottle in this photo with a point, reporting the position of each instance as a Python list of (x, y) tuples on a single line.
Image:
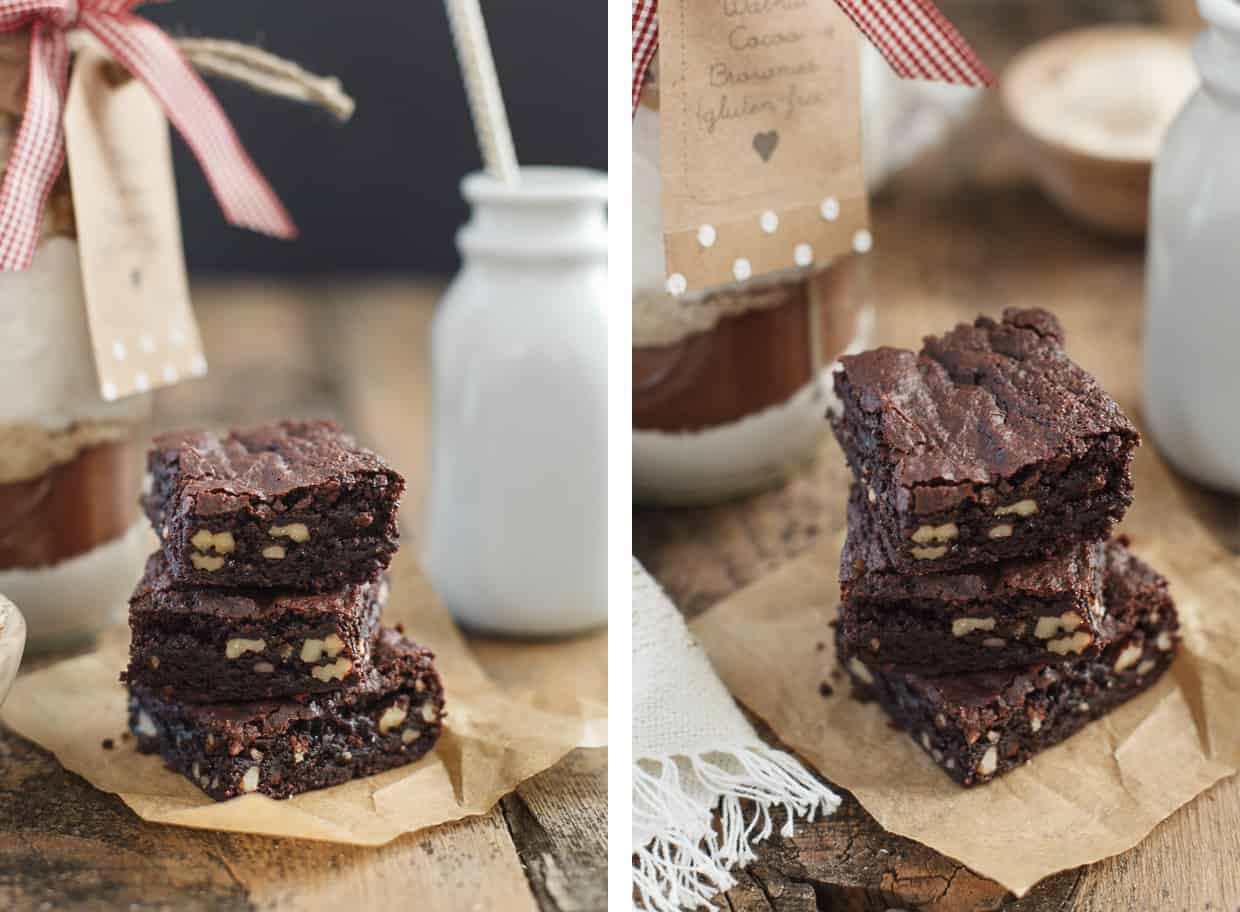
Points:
[(515, 535), (1192, 320)]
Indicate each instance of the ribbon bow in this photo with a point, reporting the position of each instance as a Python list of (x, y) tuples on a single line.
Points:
[(38, 154)]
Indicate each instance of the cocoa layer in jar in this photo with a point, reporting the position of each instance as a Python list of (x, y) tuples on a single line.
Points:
[(71, 508), (745, 363)]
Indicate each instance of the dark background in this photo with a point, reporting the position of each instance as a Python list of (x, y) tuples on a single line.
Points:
[(379, 194)]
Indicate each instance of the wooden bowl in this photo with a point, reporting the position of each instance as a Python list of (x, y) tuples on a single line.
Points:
[(12, 643), (1106, 188)]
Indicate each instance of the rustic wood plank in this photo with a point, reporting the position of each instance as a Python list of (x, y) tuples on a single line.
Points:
[(783, 893), (65, 845), (850, 863), (467, 865), (746, 896), (1191, 861), (559, 823)]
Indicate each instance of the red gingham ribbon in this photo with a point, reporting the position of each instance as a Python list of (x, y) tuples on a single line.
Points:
[(142, 48), (915, 38), (918, 41), (645, 40)]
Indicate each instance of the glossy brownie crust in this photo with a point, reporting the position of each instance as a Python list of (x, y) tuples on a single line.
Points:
[(991, 616), (280, 749), (989, 444), (207, 645), (980, 725), (290, 505)]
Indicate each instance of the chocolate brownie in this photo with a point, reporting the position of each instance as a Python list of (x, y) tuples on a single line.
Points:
[(295, 505), (206, 645), (991, 616), (989, 444), (391, 717), (982, 724)]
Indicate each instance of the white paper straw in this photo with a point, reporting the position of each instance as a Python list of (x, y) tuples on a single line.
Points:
[(486, 102)]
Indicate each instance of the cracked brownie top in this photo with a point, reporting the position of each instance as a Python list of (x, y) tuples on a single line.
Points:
[(978, 404), (269, 461)]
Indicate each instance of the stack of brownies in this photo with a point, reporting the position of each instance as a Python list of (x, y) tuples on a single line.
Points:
[(981, 602), (257, 661)]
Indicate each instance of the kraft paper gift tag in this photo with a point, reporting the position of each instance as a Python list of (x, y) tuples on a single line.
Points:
[(760, 138), (142, 327)]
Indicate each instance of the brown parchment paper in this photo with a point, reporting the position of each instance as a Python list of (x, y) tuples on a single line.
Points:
[(494, 738), (1096, 795)]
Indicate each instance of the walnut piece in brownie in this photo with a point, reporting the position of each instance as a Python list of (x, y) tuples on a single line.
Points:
[(989, 444), (290, 505), (982, 724), (391, 717), (205, 645), (990, 616)]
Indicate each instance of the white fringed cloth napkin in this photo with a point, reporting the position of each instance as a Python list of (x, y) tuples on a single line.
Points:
[(694, 752)]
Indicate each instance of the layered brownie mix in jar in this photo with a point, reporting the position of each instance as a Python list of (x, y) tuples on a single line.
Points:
[(70, 463), (731, 384)]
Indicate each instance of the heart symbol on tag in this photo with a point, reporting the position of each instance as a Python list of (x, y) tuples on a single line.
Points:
[(764, 144)]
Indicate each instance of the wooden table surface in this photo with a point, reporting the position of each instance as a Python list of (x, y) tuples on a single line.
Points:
[(963, 233), (355, 352)]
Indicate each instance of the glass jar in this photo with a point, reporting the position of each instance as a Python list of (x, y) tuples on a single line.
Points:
[(730, 385), (71, 465)]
